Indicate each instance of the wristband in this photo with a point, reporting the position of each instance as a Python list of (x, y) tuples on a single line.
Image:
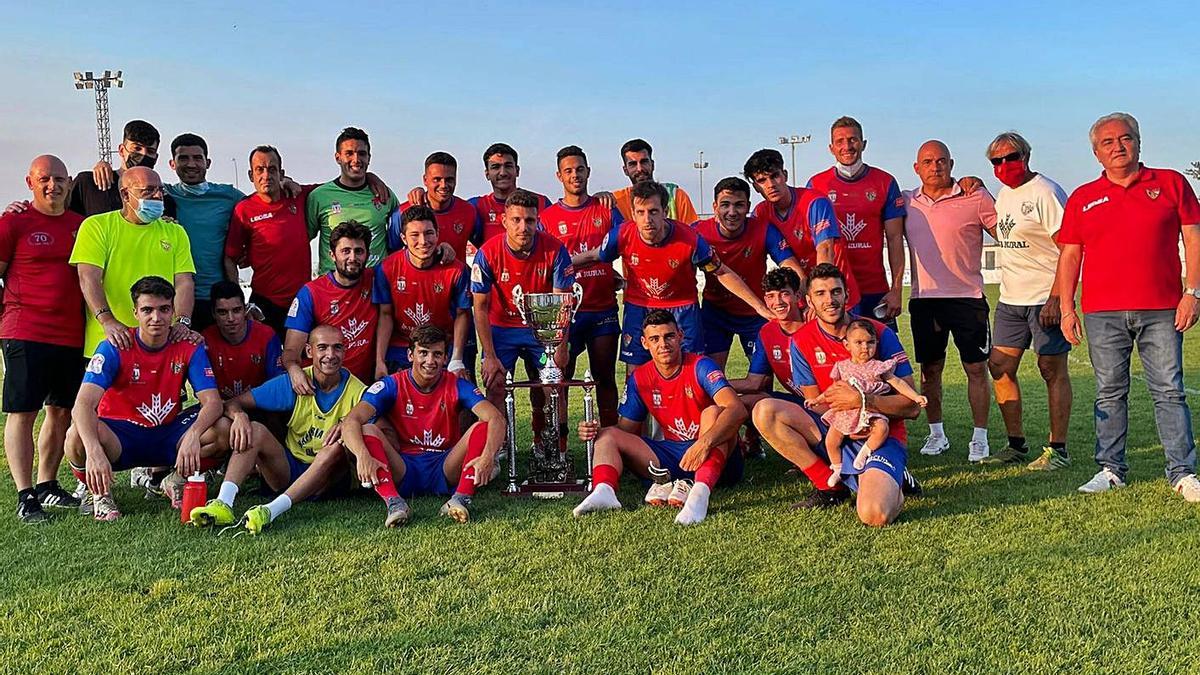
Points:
[(102, 312), (456, 364)]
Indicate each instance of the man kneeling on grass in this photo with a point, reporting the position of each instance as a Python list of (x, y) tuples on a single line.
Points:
[(416, 448), (127, 413), (699, 413), (312, 461)]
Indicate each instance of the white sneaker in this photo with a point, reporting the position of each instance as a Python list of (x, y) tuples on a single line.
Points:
[(978, 451), (1188, 487), (658, 494), (935, 444), (1103, 481), (679, 493)]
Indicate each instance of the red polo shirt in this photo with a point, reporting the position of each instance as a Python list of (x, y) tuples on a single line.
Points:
[(1130, 239)]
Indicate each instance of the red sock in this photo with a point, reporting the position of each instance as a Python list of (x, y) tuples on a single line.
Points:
[(386, 488), (78, 472), (209, 463), (606, 474), (818, 472), (475, 443), (710, 469)]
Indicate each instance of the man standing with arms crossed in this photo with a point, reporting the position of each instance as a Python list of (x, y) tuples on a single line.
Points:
[(1123, 230), (42, 335)]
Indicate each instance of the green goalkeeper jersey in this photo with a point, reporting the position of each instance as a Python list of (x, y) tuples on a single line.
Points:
[(332, 203)]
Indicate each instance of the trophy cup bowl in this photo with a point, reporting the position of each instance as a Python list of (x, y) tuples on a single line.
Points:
[(548, 315)]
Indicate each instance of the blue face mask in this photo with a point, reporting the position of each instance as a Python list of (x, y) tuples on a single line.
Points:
[(149, 210), (197, 189)]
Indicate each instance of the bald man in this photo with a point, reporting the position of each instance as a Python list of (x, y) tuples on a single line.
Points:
[(311, 460), (944, 230), (41, 333)]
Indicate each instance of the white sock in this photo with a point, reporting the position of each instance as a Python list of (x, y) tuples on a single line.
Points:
[(602, 499), (980, 434), (228, 493), (935, 429), (695, 509), (279, 505)]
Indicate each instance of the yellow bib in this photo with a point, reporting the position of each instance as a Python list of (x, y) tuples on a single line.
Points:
[(308, 423)]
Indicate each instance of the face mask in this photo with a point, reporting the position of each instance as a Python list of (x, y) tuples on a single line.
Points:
[(849, 170), (1012, 174), (197, 189), (138, 159), (149, 210)]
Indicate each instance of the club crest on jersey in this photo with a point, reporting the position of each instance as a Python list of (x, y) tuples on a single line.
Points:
[(364, 293), (504, 276), (1153, 193), (408, 408), (820, 354), (166, 245), (401, 284), (853, 226), (335, 207), (656, 395), (597, 222), (1027, 208), (776, 353), (562, 227), (220, 360), (633, 259), (333, 307), (832, 196), (627, 337), (292, 209), (491, 216), (177, 367), (438, 287), (688, 392), (871, 195), (458, 227), (673, 263), (256, 359)]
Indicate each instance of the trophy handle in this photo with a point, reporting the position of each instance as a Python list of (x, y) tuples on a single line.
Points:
[(577, 293), (518, 297)]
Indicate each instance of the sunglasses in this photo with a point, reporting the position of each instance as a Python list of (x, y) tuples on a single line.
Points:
[(1010, 157)]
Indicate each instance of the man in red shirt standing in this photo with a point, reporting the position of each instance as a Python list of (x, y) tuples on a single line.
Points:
[(42, 334), (268, 234), (1123, 231)]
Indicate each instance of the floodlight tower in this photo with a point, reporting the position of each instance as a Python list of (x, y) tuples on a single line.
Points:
[(700, 166), (793, 141), (101, 84)]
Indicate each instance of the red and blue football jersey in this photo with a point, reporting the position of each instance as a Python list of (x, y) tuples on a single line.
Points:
[(426, 421), (458, 224), (675, 402), (745, 254), (809, 222), (347, 308), (145, 386), (814, 353), (497, 270), (862, 205), (773, 354), (247, 364), (491, 214), (581, 229), (420, 297), (661, 275)]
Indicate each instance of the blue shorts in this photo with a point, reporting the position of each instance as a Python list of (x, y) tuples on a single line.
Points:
[(424, 474), (720, 327), (670, 452), (150, 446), (297, 467), (890, 458), (688, 318), (593, 324), (512, 343)]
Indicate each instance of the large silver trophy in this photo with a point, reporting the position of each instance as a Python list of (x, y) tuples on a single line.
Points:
[(551, 471)]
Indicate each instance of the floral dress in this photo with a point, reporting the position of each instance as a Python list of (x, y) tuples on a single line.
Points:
[(870, 378)]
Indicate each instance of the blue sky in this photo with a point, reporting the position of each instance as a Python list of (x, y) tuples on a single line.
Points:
[(721, 77)]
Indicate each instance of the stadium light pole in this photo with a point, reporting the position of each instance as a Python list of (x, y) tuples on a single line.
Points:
[(793, 141), (237, 182), (101, 85), (700, 166)]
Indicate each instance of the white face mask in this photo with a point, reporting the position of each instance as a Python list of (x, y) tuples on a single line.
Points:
[(849, 171), (197, 189)]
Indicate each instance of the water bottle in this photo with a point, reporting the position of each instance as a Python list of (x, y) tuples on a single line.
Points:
[(195, 493)]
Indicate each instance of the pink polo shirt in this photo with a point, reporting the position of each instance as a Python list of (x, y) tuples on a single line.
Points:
[(945, 242)]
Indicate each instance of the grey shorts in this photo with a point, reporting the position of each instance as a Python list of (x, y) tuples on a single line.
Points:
[(1018, 326)]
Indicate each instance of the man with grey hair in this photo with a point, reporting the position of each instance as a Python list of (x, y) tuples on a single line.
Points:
[(1028, 216), (1126, 226)]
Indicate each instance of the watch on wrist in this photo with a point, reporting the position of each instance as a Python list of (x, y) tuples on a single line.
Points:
[(1194, 292), (184, 320)]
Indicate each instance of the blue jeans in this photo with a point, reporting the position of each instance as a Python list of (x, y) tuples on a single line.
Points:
[(1111, 337)]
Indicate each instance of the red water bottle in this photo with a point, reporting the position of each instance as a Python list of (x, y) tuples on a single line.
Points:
[(195, 493)]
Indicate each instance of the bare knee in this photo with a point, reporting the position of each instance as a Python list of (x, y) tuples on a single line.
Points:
[(975, 370), (1052, 367), (73, 445), (872, 515)]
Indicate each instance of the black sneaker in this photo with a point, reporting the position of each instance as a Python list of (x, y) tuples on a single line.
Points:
[(823, 499), (30, 512), (52, 495), (910, 485)]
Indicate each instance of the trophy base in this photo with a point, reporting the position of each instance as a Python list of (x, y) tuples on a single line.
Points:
[(539, 490)]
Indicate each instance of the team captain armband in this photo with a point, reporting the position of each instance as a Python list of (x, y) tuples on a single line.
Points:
[(712, 265)]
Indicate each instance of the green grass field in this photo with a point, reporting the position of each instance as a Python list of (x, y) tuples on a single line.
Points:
[(993, 570)]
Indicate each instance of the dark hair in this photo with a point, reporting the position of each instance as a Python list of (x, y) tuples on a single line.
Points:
[(658, 317), (350, 229), (417, 212), (731, 184), (647, 189), (766, 161), (188, 139), (846, 122), (826, 271), (351, 134), (636, 145), (499, 149), (224, 290), (442, 159), (141, 131), (863, 324), (427, 336), (781, 278), (156, 286), (522, 198), (265, 149), (571, 151)]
